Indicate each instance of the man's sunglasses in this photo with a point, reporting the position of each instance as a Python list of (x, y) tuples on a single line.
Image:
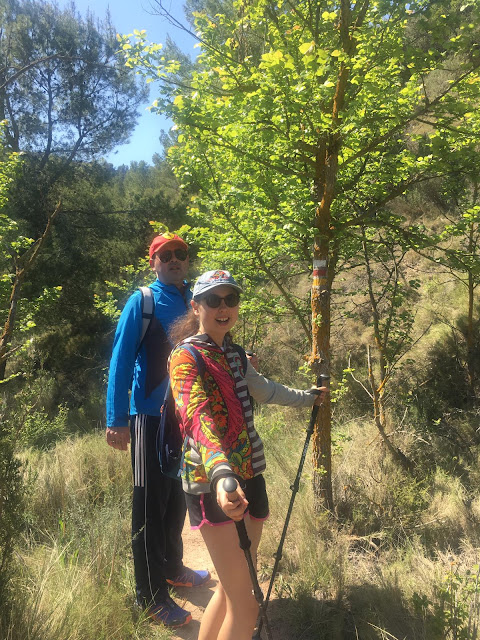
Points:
[(166, 256), (213, 301)]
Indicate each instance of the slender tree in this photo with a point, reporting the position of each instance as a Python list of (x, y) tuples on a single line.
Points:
[(391, 297), (11, 486)]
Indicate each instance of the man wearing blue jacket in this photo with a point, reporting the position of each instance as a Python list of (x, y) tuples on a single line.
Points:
[(140, 367)]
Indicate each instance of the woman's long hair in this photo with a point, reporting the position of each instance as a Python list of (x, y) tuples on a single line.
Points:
[(184, 327)]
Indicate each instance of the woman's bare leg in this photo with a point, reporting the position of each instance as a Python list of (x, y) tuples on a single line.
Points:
[(214, 615), (232, 612)]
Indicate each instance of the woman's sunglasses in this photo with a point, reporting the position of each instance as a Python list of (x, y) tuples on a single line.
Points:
[(213, 301), (166, 256)]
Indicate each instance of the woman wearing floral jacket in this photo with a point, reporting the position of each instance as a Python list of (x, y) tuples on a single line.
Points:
[(216, 416)]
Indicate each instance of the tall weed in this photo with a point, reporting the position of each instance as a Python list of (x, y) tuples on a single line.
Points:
[(379, 567)]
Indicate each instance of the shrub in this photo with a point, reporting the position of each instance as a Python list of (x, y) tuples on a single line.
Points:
[(42, 431), (11, 518)]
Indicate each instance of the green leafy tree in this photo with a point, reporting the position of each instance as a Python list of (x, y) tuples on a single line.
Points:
[(61, 89), (301, 122), (11, 489), (66, 99), (24, 262), (104, 225)]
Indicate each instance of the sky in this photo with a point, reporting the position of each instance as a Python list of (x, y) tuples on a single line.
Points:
[(127, 15)]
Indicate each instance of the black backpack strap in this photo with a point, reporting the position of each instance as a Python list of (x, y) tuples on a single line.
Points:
[(243, 357)]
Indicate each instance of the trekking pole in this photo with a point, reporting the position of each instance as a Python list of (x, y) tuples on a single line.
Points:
[(321, 379), (230, 486)]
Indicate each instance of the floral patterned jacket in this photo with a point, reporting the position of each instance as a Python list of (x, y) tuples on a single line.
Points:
[(215, 413)]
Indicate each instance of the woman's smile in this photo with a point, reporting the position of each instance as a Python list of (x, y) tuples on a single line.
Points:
[(216, 322)]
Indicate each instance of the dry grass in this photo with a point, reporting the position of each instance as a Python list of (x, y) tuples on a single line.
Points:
[(381, 566), (75, 579), (392, 562)]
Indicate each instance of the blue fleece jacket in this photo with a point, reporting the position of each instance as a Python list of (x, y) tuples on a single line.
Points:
[(128, 371)]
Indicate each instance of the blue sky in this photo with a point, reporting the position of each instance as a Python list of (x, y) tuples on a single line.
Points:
[(127, 15)]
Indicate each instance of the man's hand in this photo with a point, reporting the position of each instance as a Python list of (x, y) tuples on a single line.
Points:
[(321, 397), (118, 437)]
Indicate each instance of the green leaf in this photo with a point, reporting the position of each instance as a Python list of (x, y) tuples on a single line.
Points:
[(306, 47)]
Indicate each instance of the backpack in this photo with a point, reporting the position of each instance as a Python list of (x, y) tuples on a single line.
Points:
[(170, 444)]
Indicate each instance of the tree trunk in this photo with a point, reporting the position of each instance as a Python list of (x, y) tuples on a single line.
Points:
[(324, 262), (322, 456), (327, 163), (7, 333)]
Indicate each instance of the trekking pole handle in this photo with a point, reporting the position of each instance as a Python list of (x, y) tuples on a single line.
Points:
[(322, 380), (230, 485)]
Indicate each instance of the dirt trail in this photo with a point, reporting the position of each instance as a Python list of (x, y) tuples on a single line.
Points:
[(195, 600)]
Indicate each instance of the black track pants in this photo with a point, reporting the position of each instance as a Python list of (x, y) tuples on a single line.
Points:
[(158, 514)]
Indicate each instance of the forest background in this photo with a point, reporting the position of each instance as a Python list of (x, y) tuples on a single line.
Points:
[(326, 153)]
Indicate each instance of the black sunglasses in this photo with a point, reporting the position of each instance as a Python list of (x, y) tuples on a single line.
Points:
[(166, 256), (213, 301)]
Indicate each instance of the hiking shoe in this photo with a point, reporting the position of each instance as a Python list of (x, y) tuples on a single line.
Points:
[(169, 613), (190, 578)]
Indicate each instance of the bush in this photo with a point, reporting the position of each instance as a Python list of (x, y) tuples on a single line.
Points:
[(11, 518), (41, 431), (374, 569)]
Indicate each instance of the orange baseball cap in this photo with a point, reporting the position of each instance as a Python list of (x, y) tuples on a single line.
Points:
[(166, 238)]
